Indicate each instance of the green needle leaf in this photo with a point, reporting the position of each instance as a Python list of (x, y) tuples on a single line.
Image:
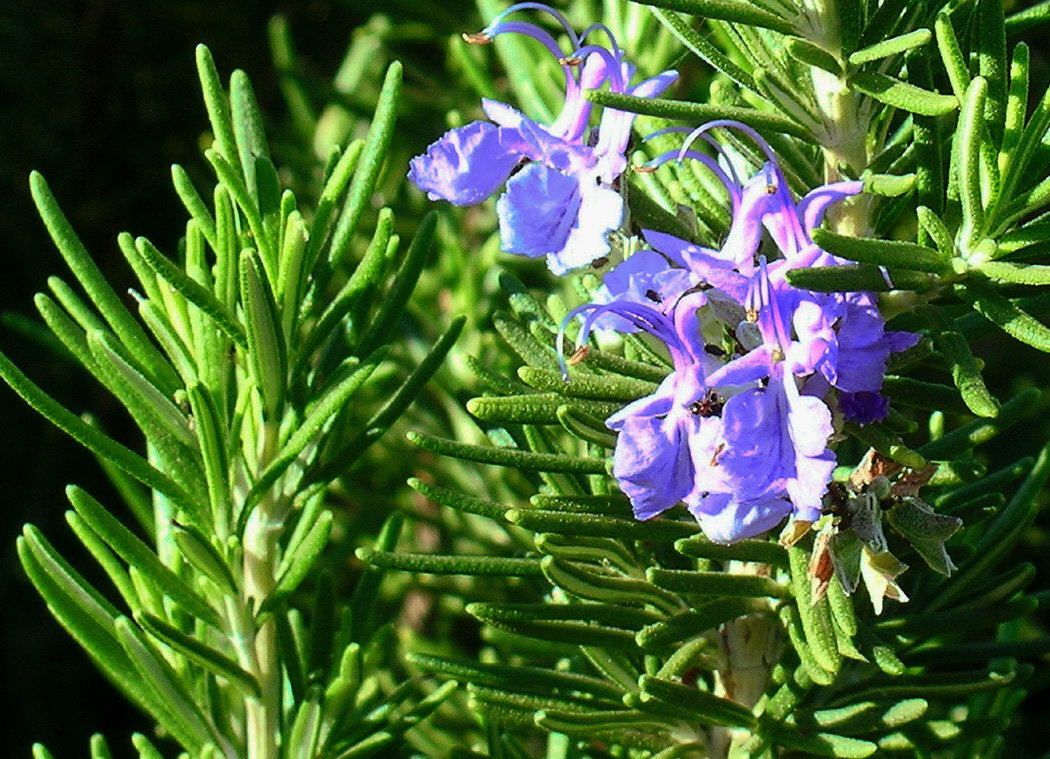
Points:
[(906, 97), (938, 233), (248, 134), (1010, 318), (965, 372), (967, 146), (892, 253), (390, 411), (233, 182), (508, 676), (454, 565), (194, 203), (373, 154), (1016, 103), (891, 46), (697, 112), (703, 48), (509, 457), (267, 351), (364, 280), (817, 625), (888, 185), (850, 277), (970, 435), (108, 560), (951, 54), (458, 501), (1025, 19), (716, 583), (991, 63), (706, 707), (583, 581), (1018, 170), (382, 323), (184, 717), (887, 443), (586, 426), (74, 605), (89, 437), (218, 107), (538, 408), (317, 417), (197, 652), (212, 436), (296, 565), (820, 744), (140, 394), (804, 51), (689, 624), (98, 288), (727, 10), (762, 551), (137, 554), (559, 623), (99, 748), (593, 525), (1015, 273)]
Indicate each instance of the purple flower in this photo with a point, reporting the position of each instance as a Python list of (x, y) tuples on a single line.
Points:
[(654, 461), (842, 335), (744, 443), (547, 212), (449, 170), (564, 202), (773, 458), (772, 462), (707, 266), (864, 407), (848, 340), (644, 277)]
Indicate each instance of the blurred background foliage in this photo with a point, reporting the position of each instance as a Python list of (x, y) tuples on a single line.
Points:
[(101, 96)]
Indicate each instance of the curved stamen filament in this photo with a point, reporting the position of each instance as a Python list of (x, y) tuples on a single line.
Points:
[(730, 124), (613, 64), (529, 30), (677, 155), (643, 317), (572, 87), (603, 29), (543, 8)]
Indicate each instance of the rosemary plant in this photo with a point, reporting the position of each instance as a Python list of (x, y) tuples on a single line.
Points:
[(259, 371), (757, 474)]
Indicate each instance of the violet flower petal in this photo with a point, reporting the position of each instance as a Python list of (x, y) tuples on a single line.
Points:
[(643, 277), (864, 407), (537, 211), (659, 403), (725, 519), (599, 213), (652, 465), (467, 164)]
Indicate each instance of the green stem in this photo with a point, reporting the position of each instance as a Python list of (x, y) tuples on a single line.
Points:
[(260, 559), (750, 645), (846, 117)]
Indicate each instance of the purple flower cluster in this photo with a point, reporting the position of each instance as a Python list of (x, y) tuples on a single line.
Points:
[(561, 198), (740, 430)]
